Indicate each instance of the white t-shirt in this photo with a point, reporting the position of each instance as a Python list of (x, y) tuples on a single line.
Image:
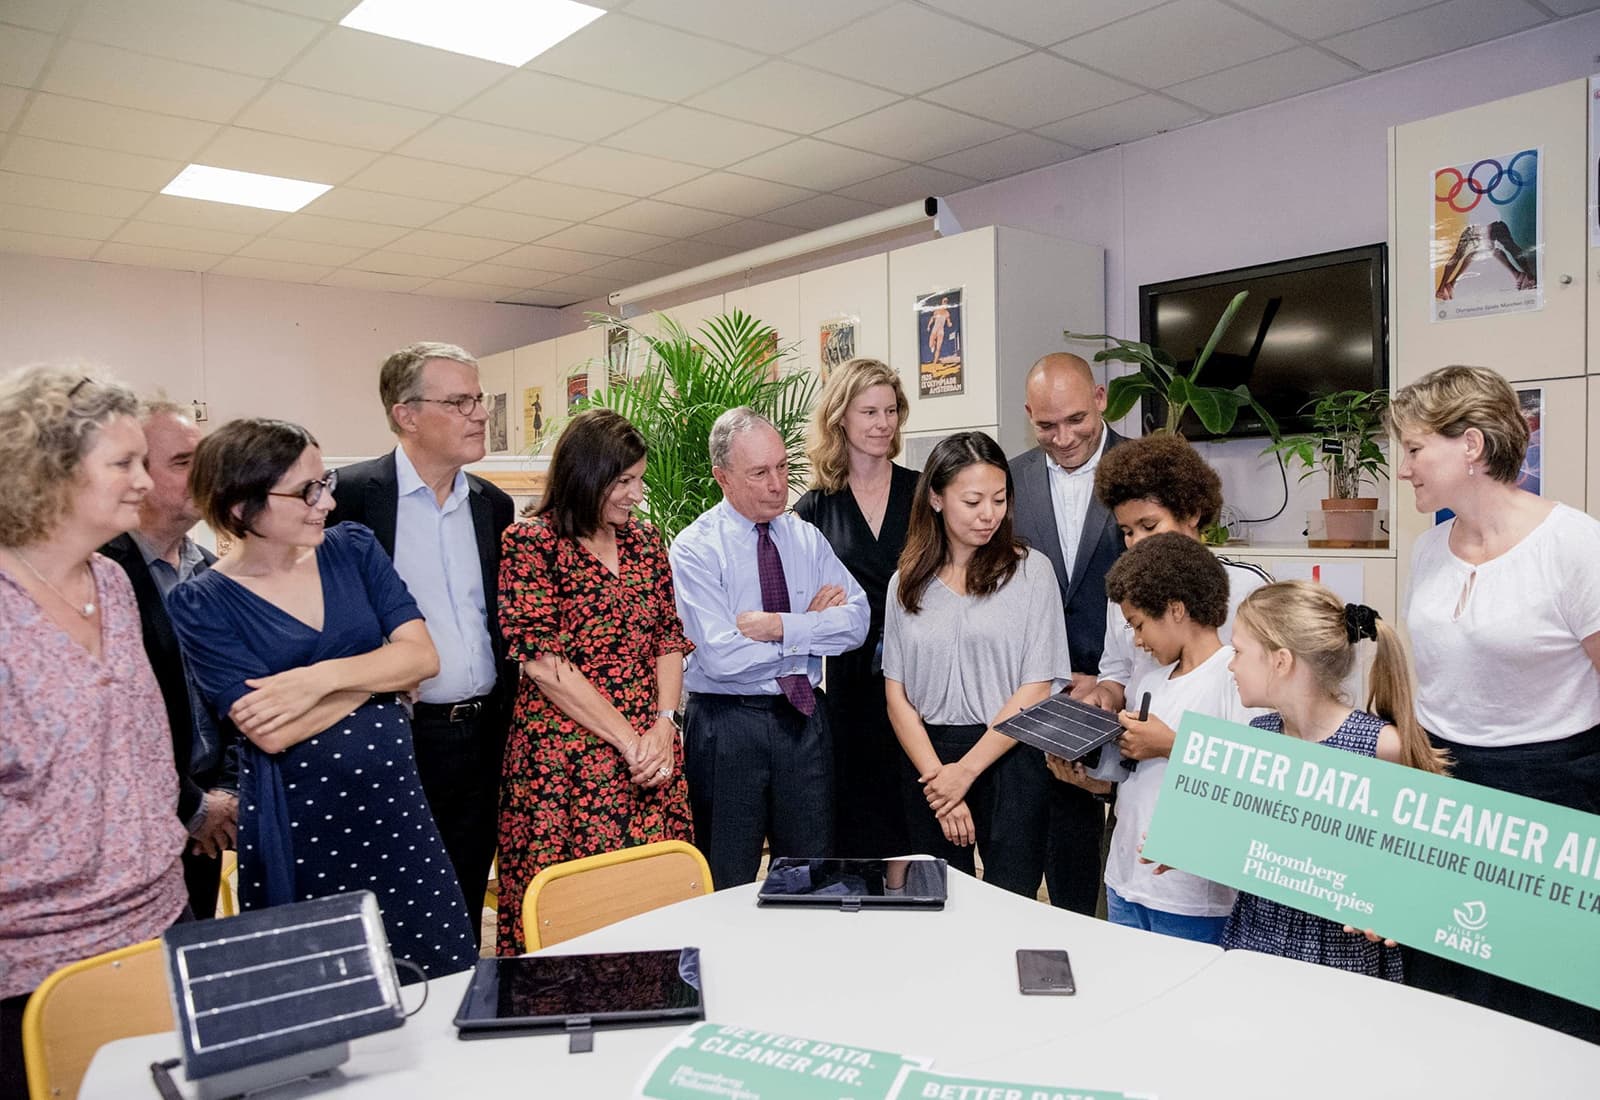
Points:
[(1511, 669), (1208, 689), (1124, 662)]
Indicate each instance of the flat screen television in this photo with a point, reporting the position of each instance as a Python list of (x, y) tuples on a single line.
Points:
[(1311, 327)]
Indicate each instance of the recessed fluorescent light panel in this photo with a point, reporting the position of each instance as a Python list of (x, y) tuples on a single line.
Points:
[(243, 188), (512, 32)]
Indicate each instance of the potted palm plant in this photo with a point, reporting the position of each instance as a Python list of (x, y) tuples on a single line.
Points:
[(685, 384), (1344, 443)]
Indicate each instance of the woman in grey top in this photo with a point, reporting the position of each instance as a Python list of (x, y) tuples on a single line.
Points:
[(973, 633)]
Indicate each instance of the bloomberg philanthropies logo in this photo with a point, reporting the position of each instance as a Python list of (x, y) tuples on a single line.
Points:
[(1465, 933)]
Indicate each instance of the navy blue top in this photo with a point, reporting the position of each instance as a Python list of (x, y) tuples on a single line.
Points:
[(231, 635)]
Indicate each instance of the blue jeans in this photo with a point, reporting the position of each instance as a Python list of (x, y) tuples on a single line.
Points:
[(1131, 914)]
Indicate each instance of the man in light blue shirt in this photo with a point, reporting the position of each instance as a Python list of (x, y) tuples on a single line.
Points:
[(764, 599), (442, 527)]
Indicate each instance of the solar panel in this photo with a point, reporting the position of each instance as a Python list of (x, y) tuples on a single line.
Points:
[(276, 983), (1063, 727)]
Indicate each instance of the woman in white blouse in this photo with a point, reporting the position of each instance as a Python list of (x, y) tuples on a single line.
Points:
[(1503, 609)]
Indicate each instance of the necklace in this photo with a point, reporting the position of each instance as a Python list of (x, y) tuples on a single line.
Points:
[(85, 609)]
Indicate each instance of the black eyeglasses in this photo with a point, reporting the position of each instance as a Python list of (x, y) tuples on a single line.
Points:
[(312, 491), (466, 404)]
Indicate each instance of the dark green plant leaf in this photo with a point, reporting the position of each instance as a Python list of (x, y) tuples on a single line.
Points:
[(1216, 335)]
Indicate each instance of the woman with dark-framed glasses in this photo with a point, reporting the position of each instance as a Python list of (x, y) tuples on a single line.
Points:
[(302, 637)]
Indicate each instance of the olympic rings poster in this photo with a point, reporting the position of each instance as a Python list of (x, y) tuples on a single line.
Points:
[(1488, 236)]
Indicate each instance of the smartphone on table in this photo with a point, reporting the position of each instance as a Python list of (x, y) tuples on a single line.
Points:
[(1042, 971)]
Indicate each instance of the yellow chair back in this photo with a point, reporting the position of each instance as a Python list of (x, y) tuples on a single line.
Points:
[(582, 895)]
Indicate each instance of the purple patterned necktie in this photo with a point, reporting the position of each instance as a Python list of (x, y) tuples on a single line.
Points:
[(775, 597)]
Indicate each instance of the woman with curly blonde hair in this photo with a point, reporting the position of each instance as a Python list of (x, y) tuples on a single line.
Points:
[(861, 501), (86, 769)]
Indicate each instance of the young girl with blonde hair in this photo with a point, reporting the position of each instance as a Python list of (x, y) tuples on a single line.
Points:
[(1294, 645)]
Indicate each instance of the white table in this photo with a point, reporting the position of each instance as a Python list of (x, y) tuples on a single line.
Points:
[(1152, 1013)]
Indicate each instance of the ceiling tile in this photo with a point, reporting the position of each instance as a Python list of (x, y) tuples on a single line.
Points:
[(549, 105), (1266, 81), (374, 280), (452, 288), (329, 11), (246, 267), (220, 34), (1032, 90), (819, 165), (750, 233), (323, 116), (684, 254), (618, 171), (84, 198), (552, 200), (42, 244), (501, 274), (907, 185), (1433, 31), (372, 66), (83, 122), (697, 137), (1183, 40), (585, 286), (426, 242), (665, 218), (769, 26), (607, 242), (22, 55), (200, 214), (1321, 20), (822, 211), (1042, 23), (11, 101), (1571, 7), (183, 237), (731, 194), (914, 130), (493, 148), (1121, 123), (1006, 157), (792, 97), (138, 255), (281, 155), (41, 15), (543, 258), (319, 230), (126, 79), (546, 298), (643, 58), (632, 271), (304, 253), (500, 225), (402, 263), (77, 162), (907, 48), (374, 206), (57, 223), (428, 179)]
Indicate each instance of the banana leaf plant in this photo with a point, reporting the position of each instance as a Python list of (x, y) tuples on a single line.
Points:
[(1216, 407), (686, 382)]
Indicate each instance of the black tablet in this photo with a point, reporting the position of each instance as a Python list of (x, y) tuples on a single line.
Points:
[(534, 993), (913, 882)]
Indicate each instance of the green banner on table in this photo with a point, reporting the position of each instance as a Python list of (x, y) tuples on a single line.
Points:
[(1497, 881), (741, 1063), (919, 1084)]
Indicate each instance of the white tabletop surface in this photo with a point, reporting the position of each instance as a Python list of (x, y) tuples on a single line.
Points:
[(1152, 1014)]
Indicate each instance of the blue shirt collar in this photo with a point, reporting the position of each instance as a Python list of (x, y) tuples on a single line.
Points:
[(408, 481)]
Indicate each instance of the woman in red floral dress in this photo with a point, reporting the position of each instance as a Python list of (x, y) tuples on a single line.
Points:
[(593, 762)]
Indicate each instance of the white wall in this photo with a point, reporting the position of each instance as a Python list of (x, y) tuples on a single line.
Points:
[(245, 346)]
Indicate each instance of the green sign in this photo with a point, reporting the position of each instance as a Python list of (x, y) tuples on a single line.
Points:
[(1497, 881), (720, 1060), (922, 1085)]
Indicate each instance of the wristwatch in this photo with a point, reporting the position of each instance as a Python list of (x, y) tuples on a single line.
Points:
[(670, 715)]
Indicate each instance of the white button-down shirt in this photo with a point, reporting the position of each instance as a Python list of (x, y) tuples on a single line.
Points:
[(1070, 494)]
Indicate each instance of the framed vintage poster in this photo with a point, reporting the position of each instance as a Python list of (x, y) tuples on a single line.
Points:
[(1487, 247), (836, 344), (940, 358)]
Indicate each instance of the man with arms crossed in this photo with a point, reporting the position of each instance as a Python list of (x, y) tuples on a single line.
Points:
[(764, 599), (442, 527), (1057, 512)]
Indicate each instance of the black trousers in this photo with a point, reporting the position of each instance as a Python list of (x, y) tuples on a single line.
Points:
[(1073, 867), (758, 770), (459, 764), (202, 877), (1007, 803), (1567, 773)]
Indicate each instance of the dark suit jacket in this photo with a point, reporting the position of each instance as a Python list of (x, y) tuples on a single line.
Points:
[(1083, 596), (369, 494), (166, 660)]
